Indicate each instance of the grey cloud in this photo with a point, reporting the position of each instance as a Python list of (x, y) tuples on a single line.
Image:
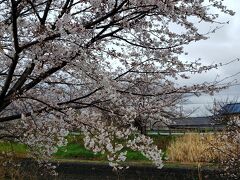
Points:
[(222, 47)]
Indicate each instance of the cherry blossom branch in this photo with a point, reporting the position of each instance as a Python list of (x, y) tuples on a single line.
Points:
[(16, 46)]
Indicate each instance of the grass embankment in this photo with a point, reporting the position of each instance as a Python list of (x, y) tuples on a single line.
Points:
[(19, 150), (184, 152), (189, 148), (75, 149)]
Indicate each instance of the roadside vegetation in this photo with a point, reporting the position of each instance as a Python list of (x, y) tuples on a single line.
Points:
[(191, 149), (188, 148)]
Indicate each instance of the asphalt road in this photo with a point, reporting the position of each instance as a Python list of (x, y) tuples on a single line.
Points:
[(99, 171)]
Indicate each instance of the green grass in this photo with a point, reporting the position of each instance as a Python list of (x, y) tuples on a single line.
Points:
[(75, 149), (13, 147), (135, 156)]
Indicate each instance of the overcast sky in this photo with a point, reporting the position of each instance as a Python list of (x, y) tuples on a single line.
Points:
[(222, 46)]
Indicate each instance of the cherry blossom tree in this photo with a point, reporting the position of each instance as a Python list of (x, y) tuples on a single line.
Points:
[(227, 143), (102, 66)]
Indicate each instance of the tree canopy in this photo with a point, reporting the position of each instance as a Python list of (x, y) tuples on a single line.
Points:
[(101, 66)]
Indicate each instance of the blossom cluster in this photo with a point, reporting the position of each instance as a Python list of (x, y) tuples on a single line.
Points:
[(113, 141)]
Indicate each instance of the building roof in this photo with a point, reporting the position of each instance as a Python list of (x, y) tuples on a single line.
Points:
[(233, 108), (193, 121)]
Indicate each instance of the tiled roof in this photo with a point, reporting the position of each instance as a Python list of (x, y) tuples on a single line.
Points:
[(193, 121), (233, 108)]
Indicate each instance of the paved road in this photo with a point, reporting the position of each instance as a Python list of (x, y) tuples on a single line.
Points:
[(95, 171)]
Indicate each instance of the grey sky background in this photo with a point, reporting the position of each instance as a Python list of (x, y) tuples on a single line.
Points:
[(222, 46)]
